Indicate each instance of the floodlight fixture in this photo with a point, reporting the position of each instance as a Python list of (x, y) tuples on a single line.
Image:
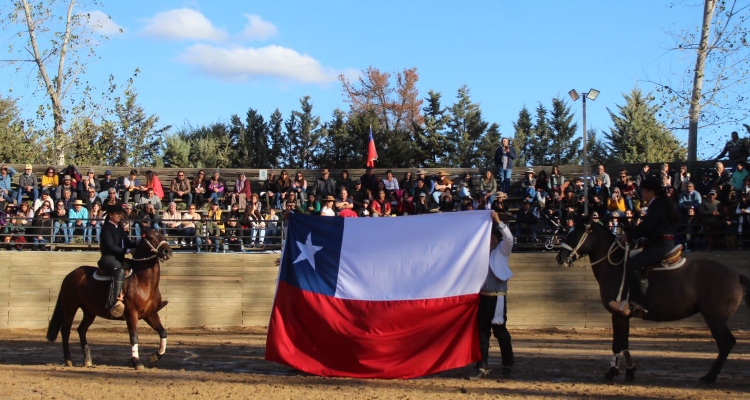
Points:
[(592, 94), (574, 95)]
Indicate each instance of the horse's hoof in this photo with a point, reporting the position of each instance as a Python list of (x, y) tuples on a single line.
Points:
[(613, 372), (88, 363), (708, 378), (155, 357), (630, 375), (136, 363), (68, 363)]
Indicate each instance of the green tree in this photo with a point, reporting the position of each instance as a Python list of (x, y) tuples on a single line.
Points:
[(276, 139), (138, 141), (489, 143), (637, 136), (59, 43), (598, 153), (465, 131), (431, 145), (521, 140), (19, 144), (540, 139), (176, 151), (563, 148), (338, 147)]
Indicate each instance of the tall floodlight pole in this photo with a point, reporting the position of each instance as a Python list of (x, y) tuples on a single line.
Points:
[(592, 95)]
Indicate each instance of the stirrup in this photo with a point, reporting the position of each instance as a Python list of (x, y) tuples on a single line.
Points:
[(117, 309), (622, 308)]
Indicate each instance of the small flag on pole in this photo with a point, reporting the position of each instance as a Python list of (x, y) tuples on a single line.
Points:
[(372, 154)]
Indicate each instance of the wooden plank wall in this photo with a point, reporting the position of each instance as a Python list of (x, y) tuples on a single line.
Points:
[(232, 290)]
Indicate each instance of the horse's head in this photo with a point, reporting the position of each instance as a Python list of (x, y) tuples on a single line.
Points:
[(576, 244), (154, 243)]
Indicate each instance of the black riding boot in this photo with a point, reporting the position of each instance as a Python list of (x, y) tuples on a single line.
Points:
[(636, 295), (116, 307)]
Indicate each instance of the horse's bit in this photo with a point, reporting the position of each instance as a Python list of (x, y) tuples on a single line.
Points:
[(155, 250)]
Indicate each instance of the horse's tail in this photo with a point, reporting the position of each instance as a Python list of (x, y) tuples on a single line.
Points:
[(55, 323), (745, 281)]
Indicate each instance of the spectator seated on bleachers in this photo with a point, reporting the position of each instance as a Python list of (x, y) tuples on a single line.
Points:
[(690, 199), (738, 177), (88, 182), (150, 198), (241, 191), (171, 221), (179, 188), (50, 181), (191, 227), (67, 185), (108, 182), (152, 181), (200, 188), (528, 184), (132, 188), (232, 237), (255, 227), (147, 219), (526, 224), (28, 185)]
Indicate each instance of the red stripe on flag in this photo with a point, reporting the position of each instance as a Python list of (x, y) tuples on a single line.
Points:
[(327, 336)]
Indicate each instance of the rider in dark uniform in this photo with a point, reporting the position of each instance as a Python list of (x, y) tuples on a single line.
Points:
[(657, 227), (114, 244)]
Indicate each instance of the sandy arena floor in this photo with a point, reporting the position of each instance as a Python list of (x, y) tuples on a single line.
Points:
[(229, 364)]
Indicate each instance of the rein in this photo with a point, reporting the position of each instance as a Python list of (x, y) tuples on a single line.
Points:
[(155, 250), (612, 249)]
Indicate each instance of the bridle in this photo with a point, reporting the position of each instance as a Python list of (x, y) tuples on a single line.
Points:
[(155, 250), (573, 255)]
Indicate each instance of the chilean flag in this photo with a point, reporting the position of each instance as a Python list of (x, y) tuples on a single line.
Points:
[(372, 154), (380, 297)]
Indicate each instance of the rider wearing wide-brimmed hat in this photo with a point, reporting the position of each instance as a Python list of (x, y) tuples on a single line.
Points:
[(657, 227), (114, 244)]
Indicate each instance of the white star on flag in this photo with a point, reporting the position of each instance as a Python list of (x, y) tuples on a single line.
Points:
[(307, 251)]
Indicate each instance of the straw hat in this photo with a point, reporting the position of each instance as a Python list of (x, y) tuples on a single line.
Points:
[(442, 173), (501, 195), (329, 198), (79, 203), (530, 171), (421, 172)]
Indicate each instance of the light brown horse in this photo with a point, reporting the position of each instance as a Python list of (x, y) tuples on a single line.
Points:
[(141, 297), (700, 286)]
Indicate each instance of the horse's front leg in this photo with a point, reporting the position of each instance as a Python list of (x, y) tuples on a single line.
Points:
[(88, 319), (132, 321), (154, 322), (620, 335)]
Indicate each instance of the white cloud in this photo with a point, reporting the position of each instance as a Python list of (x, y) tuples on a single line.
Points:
[(101, 23), (258, 29), (182, 23), (247, 63)]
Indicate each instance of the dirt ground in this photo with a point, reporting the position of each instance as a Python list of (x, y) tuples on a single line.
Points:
[(229, 364)]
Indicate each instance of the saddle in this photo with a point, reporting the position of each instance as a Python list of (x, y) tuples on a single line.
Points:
[(101, 275), (672, 260)]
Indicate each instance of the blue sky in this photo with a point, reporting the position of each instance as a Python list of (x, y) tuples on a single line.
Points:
[(202, 61)]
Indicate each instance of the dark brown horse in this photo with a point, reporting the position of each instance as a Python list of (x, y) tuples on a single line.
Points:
[(142, 300), (700, 286)]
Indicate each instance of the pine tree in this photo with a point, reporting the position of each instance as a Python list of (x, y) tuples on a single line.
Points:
[(431, 144), (636, 136), (540, 140), (466, 129), (521, 139), (563, 150), (489, 143), (306, 141)]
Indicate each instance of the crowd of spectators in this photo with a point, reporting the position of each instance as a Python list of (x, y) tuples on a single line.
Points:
[(206, 212)]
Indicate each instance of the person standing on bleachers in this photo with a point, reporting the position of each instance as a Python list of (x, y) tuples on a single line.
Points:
[(504, 156), (736, 149)]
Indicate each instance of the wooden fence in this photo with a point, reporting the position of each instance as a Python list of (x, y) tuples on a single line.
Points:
[(234, 290)]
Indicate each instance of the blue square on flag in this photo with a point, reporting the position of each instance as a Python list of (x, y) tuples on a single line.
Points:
[(312, 252)]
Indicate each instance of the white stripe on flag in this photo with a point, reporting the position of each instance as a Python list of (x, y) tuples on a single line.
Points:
[(416, 257)]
